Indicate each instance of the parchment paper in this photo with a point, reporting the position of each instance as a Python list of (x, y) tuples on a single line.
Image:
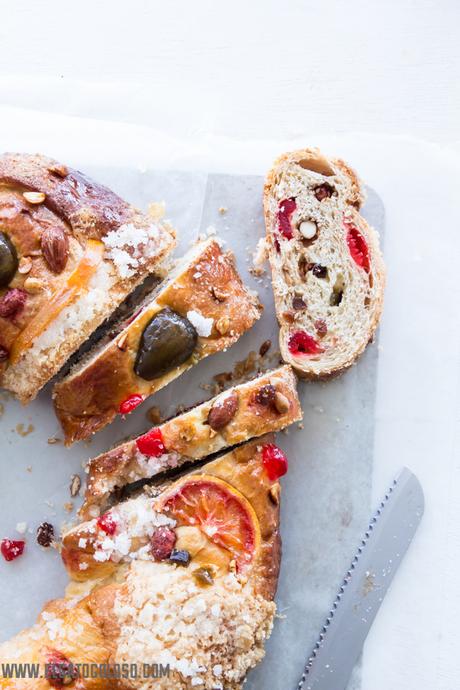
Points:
[(326, 494)]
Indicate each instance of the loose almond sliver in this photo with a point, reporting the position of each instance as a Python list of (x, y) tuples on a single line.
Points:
[(34, 197), (77, 281)]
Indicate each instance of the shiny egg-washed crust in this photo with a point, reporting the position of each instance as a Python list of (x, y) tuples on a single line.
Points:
[(189, 437), (84, 211), (87, 628), (207, 283), (316, 169)]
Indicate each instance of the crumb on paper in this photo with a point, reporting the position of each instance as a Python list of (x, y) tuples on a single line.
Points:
[(75, 485), (154, 414), (29, 468), (68, 507), (2, 409), (300, 426), (23, 431), (259, 257), (53, 439), (21, 527), (156, 210), (222, 210)]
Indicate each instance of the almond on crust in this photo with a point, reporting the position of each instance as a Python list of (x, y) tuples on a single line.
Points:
[(89, 398), (59, 223), (328, 274), (189, 436), (144, 609)]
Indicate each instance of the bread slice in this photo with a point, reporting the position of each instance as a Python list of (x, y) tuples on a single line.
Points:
[(327, 269), (70, 252), (191, 591), (201, 308), (268, 403)]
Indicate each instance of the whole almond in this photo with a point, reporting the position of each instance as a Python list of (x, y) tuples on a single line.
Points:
[(223, 411), (55, 248)]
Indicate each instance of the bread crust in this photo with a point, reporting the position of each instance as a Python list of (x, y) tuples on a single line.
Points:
[(346, 201), (90, 396), (98, 619), (82, 211), (189, 437)]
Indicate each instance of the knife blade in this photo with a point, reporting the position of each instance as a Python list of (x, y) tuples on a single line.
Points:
[(364, 586)]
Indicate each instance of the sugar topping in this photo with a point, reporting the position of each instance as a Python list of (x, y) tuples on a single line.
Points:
[(128, 247), (202, 324)]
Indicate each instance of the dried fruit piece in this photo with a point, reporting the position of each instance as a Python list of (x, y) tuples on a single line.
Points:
[(223, 411), (45, 534), (130, 403), (274, 461), (266, 395), (286, 209), (298, 303), (162, 543), (301, 343), (8, 260), (321, 327), (168, 340), (219, 510), (107, 524), (151, 443), (180, 557), (12, 303), (59, 670), (55, 248), (357, 245), (12, 549), (323, 191), (319, 271)]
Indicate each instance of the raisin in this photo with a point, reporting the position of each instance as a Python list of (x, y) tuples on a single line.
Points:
[(319, 271), (4, 353), (324, 191), (264, 348), (266, 395), (12, 303), (162, 543), (45, 534), (298, 303), (321, 327)]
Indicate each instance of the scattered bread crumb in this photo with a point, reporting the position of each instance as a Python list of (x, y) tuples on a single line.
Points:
[(23, 431), (53, 439), (68, 507), (222, 210)]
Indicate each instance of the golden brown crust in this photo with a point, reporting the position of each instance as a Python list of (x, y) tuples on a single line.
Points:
[(189, 436), (52, 214), (90, 397)]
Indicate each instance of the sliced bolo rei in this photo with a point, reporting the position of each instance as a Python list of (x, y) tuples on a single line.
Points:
[(182, 575), (70, 252), (265, 404), (328, 274), (201, 308)]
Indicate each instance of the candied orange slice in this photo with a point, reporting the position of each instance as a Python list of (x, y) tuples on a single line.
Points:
[(221, 512), (76, 282)]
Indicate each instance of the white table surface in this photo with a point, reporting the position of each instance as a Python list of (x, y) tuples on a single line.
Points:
[(312, 72)]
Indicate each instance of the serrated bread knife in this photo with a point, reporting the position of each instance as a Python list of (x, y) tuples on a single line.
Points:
[(364, 586)]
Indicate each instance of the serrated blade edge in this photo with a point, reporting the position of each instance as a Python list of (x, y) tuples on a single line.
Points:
[(387, 538)]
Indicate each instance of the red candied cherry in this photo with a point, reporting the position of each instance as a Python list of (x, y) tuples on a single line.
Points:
[(12, 549), (107, 524), (274, 461), (301, 343), (357, 246), (286, 209), (59, 670), (130, 403), (162, 543), (151, 443)]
